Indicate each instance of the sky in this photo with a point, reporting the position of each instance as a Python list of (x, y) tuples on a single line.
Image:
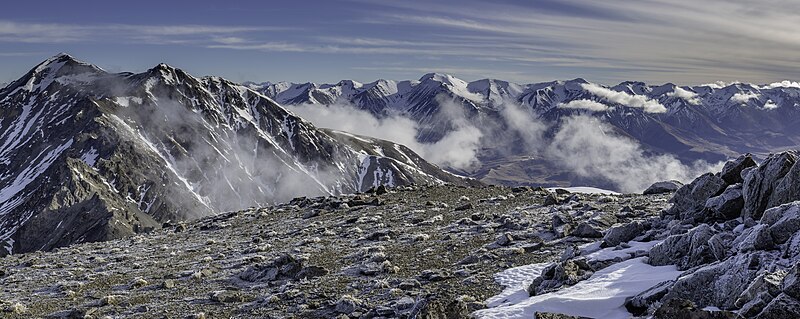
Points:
[(656, 41)]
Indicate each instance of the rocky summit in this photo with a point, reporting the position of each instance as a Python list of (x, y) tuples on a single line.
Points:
[(405, 252), (726, 245)]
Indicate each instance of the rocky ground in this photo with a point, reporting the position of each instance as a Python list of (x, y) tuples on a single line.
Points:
[(735, 237), (418, 251)]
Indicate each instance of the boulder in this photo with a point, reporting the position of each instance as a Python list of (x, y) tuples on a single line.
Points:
[(732, 171), (585, 230), (720, 284), (285, 267), (685, 250), (783, 306), (550, 199), (691, 198), (638, 305), (557, 275), (624, 233), (791, 282), (759, 184), (788, 189), (786, 221), (727, 205), (758, 237), (685, 309), (663, 187)]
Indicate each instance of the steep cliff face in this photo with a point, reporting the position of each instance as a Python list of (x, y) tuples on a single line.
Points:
[(86, 155)]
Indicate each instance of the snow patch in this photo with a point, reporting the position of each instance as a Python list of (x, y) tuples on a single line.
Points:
[(90, 157), (601, 296), (585, 190), (516, 280), (125, 101)]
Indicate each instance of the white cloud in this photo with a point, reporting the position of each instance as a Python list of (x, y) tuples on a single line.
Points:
[(585, 105), (636, 101), (770, 105), (743, 97), (782, 84), (11, 31), (457, 149), (589, 147), (686, 95)]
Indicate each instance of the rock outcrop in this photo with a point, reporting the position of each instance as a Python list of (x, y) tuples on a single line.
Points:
[(736, 237)]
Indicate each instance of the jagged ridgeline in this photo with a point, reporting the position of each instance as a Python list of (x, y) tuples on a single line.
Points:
[(87, 155)]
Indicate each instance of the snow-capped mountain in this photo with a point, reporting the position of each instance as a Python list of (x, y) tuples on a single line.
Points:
[(709, 122), (87, 155)]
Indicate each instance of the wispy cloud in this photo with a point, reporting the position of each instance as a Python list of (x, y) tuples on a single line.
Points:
[(651, 40), (11, 31)]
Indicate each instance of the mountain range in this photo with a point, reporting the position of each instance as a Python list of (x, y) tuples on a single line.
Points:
[(88, 155), (710, 122)]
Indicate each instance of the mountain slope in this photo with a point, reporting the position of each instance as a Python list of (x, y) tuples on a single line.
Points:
[(87, 155)]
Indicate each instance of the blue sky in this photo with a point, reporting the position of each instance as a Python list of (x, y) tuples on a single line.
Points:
[(655, 41)]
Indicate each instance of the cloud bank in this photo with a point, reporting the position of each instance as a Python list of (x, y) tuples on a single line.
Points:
[(636, 101), (584, 104), (743, 97), (590, 148), (688, 96), (584, 145)]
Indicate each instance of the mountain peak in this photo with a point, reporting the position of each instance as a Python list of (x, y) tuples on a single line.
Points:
[(438, 77)]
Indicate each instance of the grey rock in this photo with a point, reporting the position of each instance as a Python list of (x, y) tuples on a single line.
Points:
[(347, 304), (727, 205), (783, 306), (686, 309), (690, 199), (226, 296), (638, 305), (585, 230), (732, 171), (729, 279), (783, 221), (565, 273), (791, 282), (285, 267), (550, 199), (758, 237), (662, 187), (684, 250), (504, 239), (755, 305), (624, 233), (759, 184)]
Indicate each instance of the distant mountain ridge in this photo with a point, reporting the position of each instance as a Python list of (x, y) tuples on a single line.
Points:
[(709, 122), (87, 155)]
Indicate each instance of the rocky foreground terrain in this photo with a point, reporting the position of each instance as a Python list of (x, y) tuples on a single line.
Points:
[(411, 251), (728, 245)]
